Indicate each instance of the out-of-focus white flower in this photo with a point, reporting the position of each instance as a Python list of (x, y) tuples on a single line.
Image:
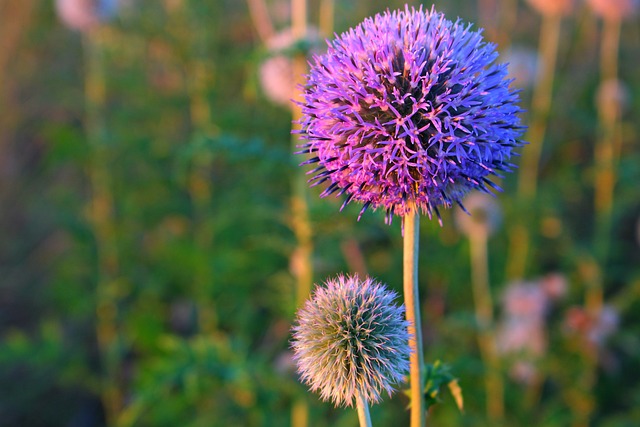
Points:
[(613, 95), (523, 65), (484, 215), (605, 325)]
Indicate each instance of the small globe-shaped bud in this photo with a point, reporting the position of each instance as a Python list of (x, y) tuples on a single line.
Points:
[(351, 340), (82, 15), (552, 7), (614, 9), (408, 112), (483, 215)]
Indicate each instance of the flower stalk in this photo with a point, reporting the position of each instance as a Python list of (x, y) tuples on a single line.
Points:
[(363, 411), (411, 243)]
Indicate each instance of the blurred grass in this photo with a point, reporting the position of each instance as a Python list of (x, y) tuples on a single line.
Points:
[(170, 369)]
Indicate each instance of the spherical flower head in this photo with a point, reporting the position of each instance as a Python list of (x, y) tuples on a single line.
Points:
[(351, 339), (408, 112), (552, 7), (82, 15), (614, 9)]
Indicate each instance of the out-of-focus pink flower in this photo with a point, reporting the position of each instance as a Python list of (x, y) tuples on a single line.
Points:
[(614, 9), (276, 72), (594, 328), (526, 299), (554, 285), (523, 371), (82, 15), (552, 7), (522, 335)]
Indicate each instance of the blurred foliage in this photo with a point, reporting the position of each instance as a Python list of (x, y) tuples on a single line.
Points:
[(186, 319)]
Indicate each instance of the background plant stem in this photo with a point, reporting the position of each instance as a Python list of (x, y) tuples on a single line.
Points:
[(200, 76), (299, 201), (483, 303), (530, 164), (103, 225), (606, 157), (411, 230)]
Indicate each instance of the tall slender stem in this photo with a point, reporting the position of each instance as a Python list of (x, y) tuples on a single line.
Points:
[(607, 146), (261, 20), (102, 222), (411, 229), (483, 304), (363, 411), (299, 206), (529, 169), (327, 13), (200, 77), (606, 157)]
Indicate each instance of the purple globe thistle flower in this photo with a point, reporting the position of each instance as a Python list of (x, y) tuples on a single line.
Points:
[(409, 111), (350, 340)]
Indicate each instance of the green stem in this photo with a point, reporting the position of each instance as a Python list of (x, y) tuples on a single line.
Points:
[(363, 411), (606, 158), (411, 229), (200, 77)]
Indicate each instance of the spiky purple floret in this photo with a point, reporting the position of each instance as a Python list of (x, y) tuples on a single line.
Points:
[(409, 111), (350, 338)]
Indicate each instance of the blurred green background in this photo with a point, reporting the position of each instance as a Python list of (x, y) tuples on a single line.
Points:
[(149, 250)]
